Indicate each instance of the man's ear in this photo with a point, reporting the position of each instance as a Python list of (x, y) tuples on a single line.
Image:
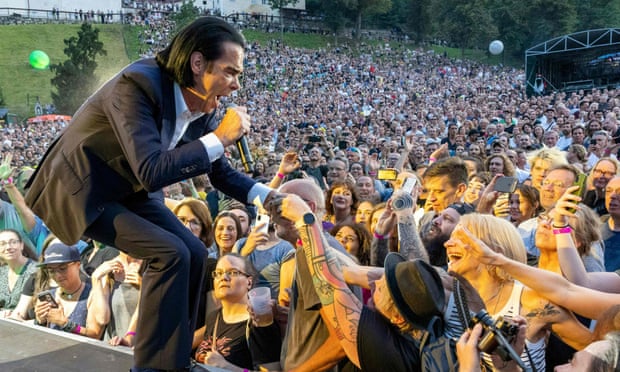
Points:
[(460, 190), (196, 62)]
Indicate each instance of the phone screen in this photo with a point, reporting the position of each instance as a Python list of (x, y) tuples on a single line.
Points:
[(388, 174), (47, 297)]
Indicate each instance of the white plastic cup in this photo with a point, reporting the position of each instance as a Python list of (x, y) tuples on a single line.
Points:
[(260, 301)]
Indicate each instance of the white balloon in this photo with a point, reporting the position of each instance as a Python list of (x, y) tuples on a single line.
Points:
[(496, 47)]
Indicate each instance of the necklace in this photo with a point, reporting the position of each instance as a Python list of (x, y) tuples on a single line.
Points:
[(498, 295), (70, 295)]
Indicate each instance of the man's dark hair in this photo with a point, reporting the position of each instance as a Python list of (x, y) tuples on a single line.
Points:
[(453, 167), (205, 35)]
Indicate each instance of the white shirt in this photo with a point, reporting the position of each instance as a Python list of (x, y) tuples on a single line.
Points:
[(213, 145)]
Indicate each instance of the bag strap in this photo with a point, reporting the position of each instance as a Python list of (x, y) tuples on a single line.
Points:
[(460, 301)]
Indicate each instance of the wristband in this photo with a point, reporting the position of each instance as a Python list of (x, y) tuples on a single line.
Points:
[(432, 159), (77, 329), (563, 230), (130, 333), (558, 227), (280, 175), (8, 181), (378, 236), (69, 327)]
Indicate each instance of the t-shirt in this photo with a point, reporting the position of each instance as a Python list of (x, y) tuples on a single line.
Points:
[(382, 347), (612, 247), (10, 298), (268, 262), (246, 350)]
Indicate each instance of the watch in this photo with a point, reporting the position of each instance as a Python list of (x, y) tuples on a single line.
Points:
[(307, 219)]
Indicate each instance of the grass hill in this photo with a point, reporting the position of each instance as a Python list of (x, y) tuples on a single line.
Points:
[(21, 83)]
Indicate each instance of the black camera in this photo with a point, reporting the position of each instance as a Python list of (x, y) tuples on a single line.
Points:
[(498, 334)]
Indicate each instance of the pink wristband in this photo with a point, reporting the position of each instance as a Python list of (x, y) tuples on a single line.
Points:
[(564, 230), (77, 329), (280, 176), (381, 236), (130, 333)]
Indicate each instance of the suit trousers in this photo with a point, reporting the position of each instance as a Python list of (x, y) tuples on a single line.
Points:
[(175, 265)]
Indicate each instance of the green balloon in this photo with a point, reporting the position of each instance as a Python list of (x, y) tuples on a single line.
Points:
[(39, 60)]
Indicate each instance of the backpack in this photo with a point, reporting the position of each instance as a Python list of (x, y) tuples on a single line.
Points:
[(437, 352)]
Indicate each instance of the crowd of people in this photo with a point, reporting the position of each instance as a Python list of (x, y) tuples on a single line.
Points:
[(404, 175)]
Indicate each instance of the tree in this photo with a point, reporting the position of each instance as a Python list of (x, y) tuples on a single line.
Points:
[(467, 24), (366, 8), (75, 78), (334, 14), (279, 5), (186, 14)]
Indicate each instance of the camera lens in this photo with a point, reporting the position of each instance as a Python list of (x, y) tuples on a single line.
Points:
[(401, 202)]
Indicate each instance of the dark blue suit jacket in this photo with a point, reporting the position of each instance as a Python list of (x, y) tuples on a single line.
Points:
[(117, 146)]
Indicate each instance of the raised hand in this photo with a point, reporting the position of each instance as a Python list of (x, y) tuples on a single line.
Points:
[(290, 162), (475, 246), (5, 167)]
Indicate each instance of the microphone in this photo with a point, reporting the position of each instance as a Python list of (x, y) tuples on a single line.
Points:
[(244, 149)]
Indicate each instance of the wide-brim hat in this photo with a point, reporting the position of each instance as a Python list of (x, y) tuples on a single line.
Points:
[(416, 289), (59, 253)]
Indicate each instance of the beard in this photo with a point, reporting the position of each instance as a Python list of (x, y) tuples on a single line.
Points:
[(433, 240)]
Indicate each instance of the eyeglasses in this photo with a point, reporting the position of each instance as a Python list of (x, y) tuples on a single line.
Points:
[(557, 185), (6, 243), (194, 223), (598, 172), (216, 274), (58, 270)]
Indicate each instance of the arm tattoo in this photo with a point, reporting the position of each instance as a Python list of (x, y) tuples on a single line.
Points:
[(378, 251), (329, 283), (409, 239), (548, 310)]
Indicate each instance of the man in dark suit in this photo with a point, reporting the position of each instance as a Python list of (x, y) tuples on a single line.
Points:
[(151, 125)]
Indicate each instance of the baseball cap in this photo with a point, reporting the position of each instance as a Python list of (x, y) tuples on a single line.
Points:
[(58, 253)]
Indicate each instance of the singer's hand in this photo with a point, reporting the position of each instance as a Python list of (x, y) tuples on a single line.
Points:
[(234, 125)]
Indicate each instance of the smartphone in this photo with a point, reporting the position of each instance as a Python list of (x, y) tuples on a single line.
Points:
[(387, 174), (506, 184), (263, 218), (581, 182), (46, 296), (314, 139), (409, 184)]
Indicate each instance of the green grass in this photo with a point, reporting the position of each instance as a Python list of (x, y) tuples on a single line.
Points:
[(21, 83)]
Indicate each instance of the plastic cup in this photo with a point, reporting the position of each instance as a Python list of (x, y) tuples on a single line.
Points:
[(260, 301)]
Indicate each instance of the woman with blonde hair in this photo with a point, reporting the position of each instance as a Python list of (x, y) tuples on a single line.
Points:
[(502, 295)]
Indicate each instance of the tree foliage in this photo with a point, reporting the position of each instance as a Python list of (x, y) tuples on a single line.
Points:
[(467, 24), (472, 23), (75, 78), (363, 8), (187, 13)]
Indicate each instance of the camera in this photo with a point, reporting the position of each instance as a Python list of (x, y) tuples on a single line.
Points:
[(402, 201), (497, 336)]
